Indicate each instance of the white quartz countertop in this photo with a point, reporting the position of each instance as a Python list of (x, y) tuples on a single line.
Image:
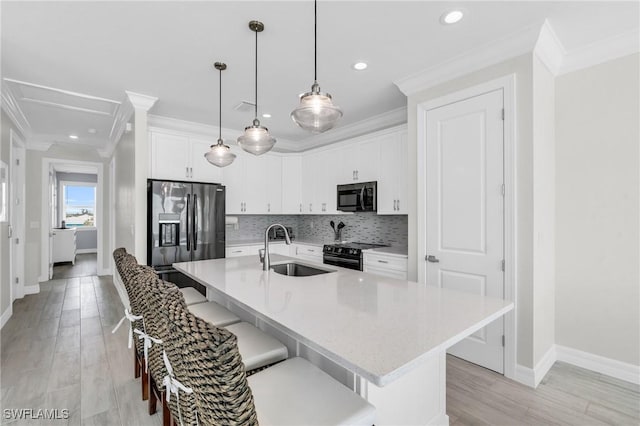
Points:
[(378, 327)]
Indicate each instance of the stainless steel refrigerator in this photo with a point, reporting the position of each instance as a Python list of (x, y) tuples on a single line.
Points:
[(186, 221)]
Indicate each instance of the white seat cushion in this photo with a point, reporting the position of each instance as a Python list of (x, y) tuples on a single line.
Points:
[(295, 392), (214, 313), (256, 347), (192, 296)]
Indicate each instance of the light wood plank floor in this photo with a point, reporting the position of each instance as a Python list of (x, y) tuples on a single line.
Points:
[(85, 265), (57, 351)]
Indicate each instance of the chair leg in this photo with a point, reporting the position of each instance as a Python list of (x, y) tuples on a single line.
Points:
[(151, 395), (145, 382), (166, 414), (136, 364)]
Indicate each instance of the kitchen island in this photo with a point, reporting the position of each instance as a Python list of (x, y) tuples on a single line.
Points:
[(384, 338)]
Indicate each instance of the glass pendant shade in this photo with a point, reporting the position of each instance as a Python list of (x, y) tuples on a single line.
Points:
[(316, 112), (256, 139), (220, 154)]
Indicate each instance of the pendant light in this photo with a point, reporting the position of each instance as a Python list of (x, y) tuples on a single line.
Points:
[(220, 154), (256, 138), (316, 112)]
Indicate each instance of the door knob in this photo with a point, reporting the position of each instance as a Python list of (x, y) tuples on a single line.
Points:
[(431, 258)]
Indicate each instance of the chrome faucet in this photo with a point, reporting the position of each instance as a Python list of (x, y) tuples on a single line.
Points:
[(264, 253)]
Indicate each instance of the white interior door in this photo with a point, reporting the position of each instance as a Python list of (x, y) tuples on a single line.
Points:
[(465, 211), (51, 216)]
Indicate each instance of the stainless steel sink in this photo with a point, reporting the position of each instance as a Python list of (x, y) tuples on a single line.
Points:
[(297, 270)]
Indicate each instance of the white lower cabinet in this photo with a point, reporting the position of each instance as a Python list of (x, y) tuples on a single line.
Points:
[(393, 266), (307, 252), (64, 245)]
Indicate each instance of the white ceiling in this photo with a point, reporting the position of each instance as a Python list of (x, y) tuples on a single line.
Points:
[(167, 49)]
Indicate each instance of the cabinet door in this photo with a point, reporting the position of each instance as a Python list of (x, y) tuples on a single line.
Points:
[(309, 183), (169, 156), (256, 184), (346, 163), (291, 185), (325, 193), (402, 172), (233, 179), (369, 159), (202, 170), (273, 165), (387, 179)]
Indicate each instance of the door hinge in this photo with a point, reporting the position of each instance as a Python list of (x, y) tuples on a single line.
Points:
[(502, 114), (503, 189), (17, 161), (502, 265), (17, 280), (17, 240), (503, 340)]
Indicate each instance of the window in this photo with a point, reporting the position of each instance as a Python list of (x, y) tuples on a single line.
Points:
[(79, 204)]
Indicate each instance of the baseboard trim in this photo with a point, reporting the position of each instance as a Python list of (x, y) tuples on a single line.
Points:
[(525, 375), (103, 272), (544, 365), (442, 419), (607, 366), (6, 315), (85, 251), (31, 289)]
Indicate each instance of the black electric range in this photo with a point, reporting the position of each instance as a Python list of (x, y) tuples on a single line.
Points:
[(346, 255)]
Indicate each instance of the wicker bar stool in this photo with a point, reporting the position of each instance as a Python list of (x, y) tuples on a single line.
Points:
[(126, 269), (294, 392)]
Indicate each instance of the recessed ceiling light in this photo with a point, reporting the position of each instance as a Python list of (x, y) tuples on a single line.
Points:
[(266, 115), (451, 17), (359, 66), (73, 136)]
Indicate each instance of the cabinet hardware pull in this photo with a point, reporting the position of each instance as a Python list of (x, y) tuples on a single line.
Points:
[(237, 251), (394, 205), (186, 172), (300, 207), (431, 258), (310, 207), (268, 207), (398, 205), (382, 261)]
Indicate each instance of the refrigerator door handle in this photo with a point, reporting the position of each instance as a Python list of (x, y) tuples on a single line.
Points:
[(195, 222), (188, 237)]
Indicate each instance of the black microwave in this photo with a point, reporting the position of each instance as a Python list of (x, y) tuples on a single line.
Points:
[(358, 197)]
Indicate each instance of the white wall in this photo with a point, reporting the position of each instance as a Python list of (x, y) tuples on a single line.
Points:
[(124, 203), (522, 67), (543, 210), (597, 210)]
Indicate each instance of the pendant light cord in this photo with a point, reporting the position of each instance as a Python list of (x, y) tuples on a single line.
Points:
[(315, 40), (220, 106), (256, 105)]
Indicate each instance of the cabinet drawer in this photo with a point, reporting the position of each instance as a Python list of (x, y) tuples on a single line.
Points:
[(242, 251), (391, 273), (385, 262), (308, 252)]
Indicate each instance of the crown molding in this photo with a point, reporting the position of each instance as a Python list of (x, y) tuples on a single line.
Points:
[(140, 101), (602, 51), (204, 131), (378, 122), (549, 49), (492, 53)]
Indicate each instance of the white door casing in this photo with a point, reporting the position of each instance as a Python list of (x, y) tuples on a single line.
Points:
[(17, 216), (465, 209)]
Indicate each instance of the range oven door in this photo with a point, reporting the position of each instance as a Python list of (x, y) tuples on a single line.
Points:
[(357, 197), (343, 261)]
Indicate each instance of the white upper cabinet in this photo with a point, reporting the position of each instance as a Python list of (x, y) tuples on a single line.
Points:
[(302, 183), (392, 174), (178, 157), (170, 157), (292, 184)]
